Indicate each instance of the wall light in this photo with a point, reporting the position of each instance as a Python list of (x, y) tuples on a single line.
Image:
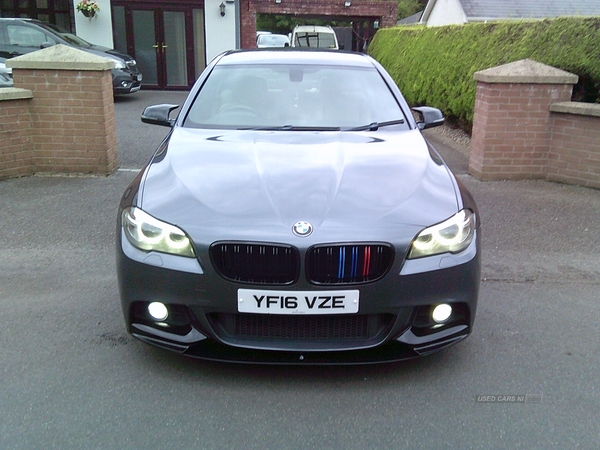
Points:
[(222, 9), (278, 1), (347, 4)]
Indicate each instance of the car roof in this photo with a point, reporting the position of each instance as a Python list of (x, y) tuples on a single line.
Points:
[(313, 28), (296, 56), (19, 19), (271, 35), (47, 26)]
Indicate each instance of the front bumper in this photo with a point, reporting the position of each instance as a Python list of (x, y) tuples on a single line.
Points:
[(401, 321), (406, 346), (126, 82)]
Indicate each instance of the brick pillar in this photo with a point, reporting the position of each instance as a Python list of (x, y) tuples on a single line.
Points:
[(16, 157), (512, 123), (73, 127)]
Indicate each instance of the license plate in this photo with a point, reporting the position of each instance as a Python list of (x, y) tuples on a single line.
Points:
[(260, 301)]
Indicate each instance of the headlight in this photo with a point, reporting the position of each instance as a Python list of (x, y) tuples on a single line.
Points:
[(147, 233), (451, 236), (119, 64)]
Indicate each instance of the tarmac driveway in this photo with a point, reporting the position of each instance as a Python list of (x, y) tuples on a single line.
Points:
[(72, 377)]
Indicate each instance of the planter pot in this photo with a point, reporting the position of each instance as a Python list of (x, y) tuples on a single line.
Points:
[(88, 14)]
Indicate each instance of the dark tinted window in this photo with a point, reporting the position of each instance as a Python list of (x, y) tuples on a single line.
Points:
[(24, 36)]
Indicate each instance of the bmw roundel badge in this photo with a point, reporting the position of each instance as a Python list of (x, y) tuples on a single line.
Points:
[(302, 229)]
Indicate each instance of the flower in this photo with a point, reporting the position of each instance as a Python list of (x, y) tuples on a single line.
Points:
[(88, 7)]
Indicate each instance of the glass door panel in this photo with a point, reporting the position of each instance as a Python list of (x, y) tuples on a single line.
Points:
[(120, 30), (166, 39), (175, 48), (199, 59), (144, 36)]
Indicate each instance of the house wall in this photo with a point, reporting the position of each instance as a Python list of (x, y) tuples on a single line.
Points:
[(237, 29), (384, 11), (446, 12), (97, 30), (220, 30)]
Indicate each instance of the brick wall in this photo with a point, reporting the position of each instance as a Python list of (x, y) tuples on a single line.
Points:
[(525, 127), (16, 157), (574, 156), (384, 11), (67, 123)]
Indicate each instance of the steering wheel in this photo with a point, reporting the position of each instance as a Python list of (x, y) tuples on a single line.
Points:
[(238, 109)]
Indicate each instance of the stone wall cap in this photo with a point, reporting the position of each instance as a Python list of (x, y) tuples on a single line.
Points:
[(578, 108), (11, 93), (60, 57), (525, 71)]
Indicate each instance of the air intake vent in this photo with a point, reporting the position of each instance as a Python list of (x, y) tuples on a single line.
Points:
[(300, 327)]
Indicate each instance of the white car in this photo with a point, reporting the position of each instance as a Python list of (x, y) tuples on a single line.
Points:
[(314, 36), (272, 40)]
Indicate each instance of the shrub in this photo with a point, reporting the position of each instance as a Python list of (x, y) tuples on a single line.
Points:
[(435, 65)]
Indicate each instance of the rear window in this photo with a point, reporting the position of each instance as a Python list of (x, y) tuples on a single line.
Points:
[(314, 40)]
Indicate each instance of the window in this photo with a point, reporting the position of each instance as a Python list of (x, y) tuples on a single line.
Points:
[(58, 12), (293, 96), (28, 37)]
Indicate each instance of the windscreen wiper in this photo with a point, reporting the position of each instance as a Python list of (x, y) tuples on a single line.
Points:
[(374, 126), (289, 128)]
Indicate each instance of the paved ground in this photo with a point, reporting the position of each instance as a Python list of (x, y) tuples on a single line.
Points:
[(72, 378)]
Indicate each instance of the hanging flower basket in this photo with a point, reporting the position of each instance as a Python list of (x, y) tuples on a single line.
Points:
[(88, 8)]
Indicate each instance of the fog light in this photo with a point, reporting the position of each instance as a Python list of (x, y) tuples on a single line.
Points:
[(158, 311), (441, 313)]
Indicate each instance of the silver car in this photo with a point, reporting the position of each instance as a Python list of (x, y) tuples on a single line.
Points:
[(5, 75), (295, 214)]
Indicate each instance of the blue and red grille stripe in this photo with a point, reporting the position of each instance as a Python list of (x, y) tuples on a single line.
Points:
[(342, 263), (366, 261)]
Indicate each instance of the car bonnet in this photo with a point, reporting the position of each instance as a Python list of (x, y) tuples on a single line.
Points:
[(268, 180)]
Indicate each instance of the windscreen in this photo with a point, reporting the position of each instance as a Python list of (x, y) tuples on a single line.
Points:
[(273, 40), (69, 37), (311, 96)]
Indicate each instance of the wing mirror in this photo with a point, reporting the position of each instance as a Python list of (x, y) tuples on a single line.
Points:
[(428, 117), (159, 115)]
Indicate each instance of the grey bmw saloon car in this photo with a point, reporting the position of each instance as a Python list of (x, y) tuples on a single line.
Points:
[(295, 214)]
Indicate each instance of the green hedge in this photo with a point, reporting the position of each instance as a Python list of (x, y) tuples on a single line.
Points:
[(435, 65)]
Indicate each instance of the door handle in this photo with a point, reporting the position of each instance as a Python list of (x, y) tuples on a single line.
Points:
[(160, 46)]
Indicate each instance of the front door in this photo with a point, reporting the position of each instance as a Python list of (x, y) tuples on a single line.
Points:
[(167, 41)]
